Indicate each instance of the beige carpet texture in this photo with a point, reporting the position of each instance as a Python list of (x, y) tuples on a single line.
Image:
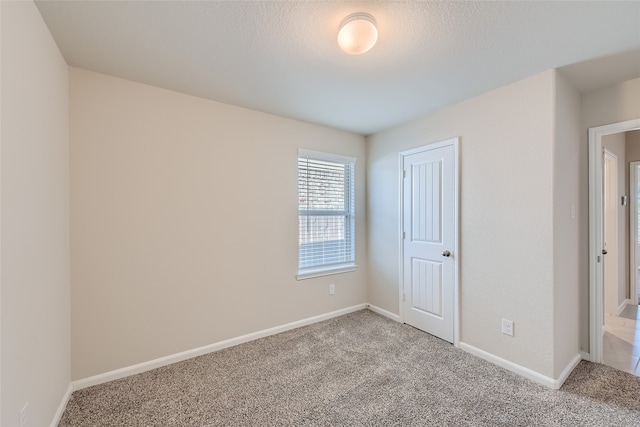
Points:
[(360, 369)]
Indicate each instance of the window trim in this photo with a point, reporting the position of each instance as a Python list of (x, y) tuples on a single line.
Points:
[(325, 270)]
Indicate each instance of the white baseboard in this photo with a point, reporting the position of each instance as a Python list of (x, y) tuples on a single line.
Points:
[(623, 305), (521, 370), (567, 371), (179, 357), (383, 312), (585, 356), (63, 405)]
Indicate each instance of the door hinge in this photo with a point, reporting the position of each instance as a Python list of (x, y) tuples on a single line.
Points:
[(404, 173), (404, 235), (598, 258)]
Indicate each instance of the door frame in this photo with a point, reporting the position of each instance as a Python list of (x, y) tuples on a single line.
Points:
[(596, 205), (613, 249), (455, 142), (633, 239)]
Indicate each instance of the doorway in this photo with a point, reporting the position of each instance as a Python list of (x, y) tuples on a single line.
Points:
[(597, 232), (429, 239)]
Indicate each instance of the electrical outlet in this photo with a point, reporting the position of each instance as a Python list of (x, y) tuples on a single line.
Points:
[(23, 415), (507, 327), (332, 289)]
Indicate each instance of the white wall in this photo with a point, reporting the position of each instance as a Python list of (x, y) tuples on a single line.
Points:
[(617, 145), (614, 104), (506, 216), (35, 361), (566, 225), (184, 222)]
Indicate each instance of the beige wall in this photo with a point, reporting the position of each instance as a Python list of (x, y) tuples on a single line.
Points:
[(614, 104), (506, 216), (35, 357), (566, 221), (184, 222), (632, 146)]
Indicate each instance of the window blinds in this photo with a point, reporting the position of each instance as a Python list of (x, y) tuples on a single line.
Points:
[(326, 220)]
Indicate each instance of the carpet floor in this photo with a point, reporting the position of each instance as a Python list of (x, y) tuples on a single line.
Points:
[(360, 369)]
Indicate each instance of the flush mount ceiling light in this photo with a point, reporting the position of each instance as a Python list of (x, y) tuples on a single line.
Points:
[(358, 33)]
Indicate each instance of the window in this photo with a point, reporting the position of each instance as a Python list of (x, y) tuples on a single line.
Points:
[(326, 220)]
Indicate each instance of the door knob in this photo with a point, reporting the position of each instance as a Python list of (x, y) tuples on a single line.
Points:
[(604, 252), (446, 253)]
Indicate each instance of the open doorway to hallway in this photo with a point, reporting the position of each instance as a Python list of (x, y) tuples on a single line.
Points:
[(621, 338)]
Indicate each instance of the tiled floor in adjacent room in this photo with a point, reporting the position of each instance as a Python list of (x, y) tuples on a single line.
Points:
[(621, 348)]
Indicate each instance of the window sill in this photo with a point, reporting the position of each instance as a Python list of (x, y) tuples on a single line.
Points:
[(319, 272)]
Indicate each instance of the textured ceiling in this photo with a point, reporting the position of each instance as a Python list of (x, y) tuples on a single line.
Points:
[(282, 57)]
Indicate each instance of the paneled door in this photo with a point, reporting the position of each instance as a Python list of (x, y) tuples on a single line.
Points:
[(430, 239)]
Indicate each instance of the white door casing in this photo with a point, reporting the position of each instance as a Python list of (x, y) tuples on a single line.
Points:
[(610, 241), (429, 254), (634, 249)]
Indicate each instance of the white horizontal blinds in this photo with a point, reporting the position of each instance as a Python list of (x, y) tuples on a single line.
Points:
[(326, 219)]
